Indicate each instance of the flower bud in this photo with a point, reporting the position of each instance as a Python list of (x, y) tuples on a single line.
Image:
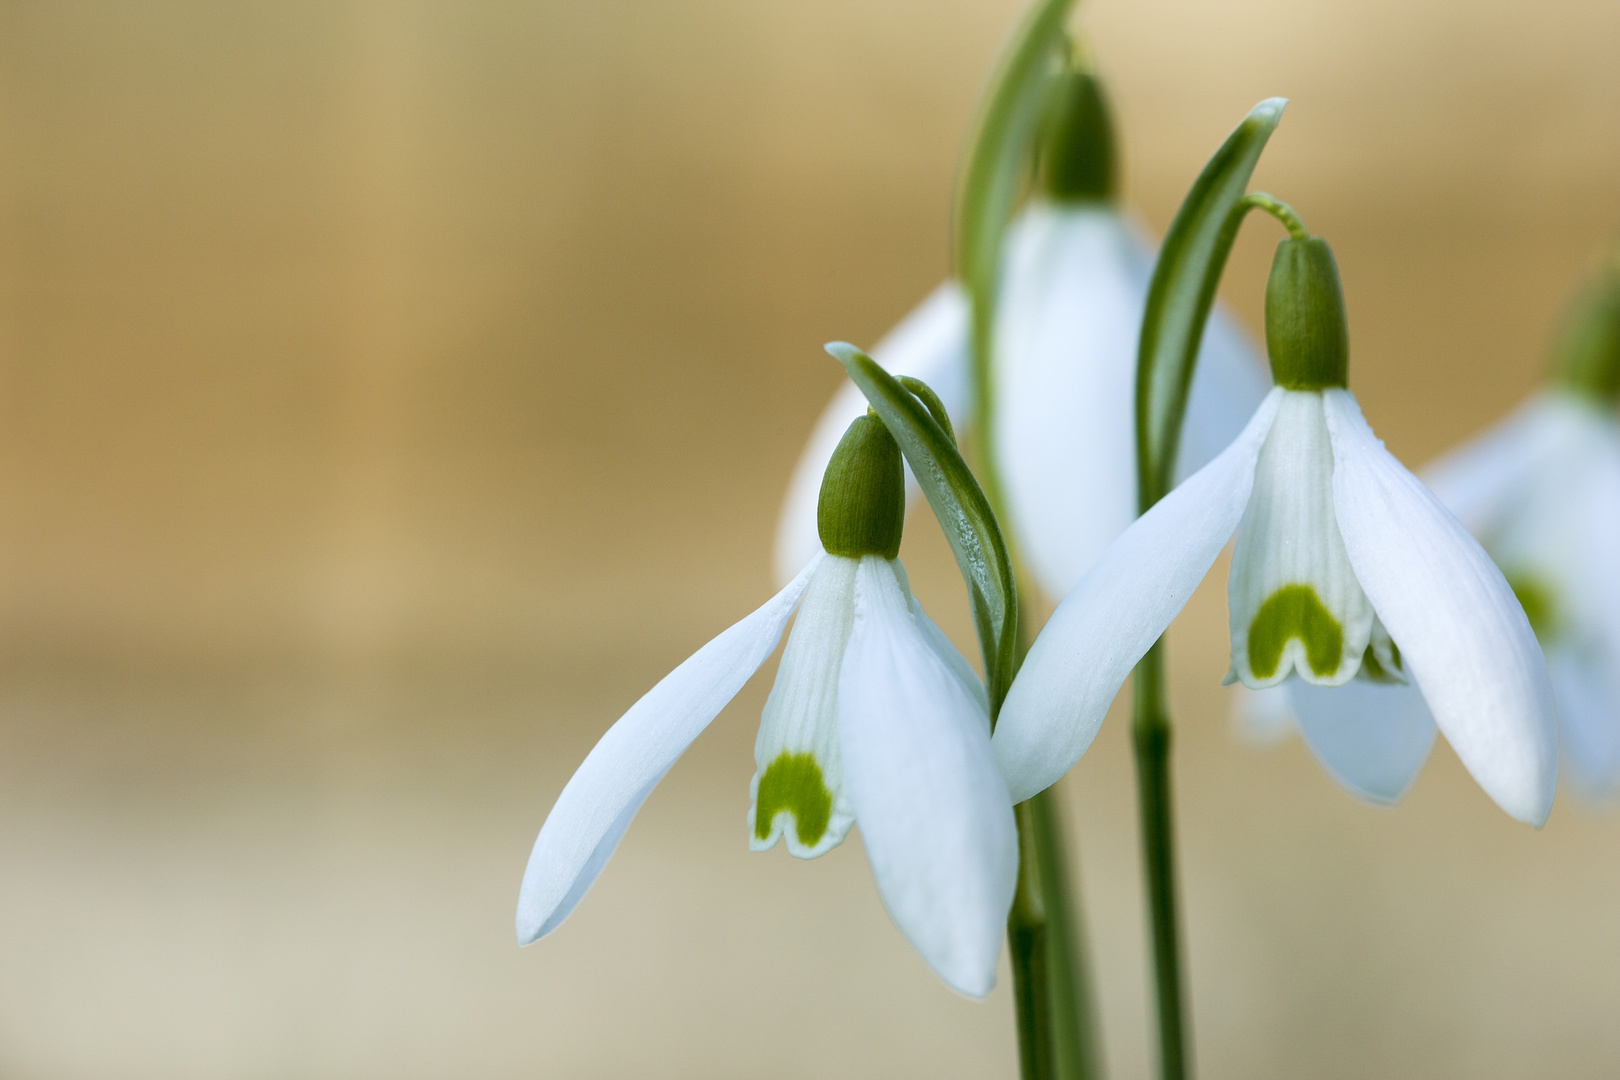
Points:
[(862, 508), (1306, 334), (1587, 355), (1077, 146)]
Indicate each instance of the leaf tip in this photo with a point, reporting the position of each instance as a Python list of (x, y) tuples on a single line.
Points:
[(1269, 109), (842, 351)]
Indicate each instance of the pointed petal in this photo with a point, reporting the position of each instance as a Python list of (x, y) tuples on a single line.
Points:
[(930, 344), (1292, 600), (597, 803), (933, 810), (1117, 612), (798, 772), (1066, 370), (1462, 635), (1372, 738)]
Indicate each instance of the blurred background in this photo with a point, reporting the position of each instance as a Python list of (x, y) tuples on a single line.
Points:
[(391, 392)]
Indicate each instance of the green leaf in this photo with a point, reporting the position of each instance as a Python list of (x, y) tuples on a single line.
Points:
[(959, 503), (1008, 122), (998, 161), (1183, 291)]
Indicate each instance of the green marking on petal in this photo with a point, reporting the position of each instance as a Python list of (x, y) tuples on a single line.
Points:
[(1373, 670), (1536, 597), (793, 783), (1294, 611)]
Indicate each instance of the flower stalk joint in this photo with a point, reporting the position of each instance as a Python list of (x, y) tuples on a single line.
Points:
[(862, 508), (1306, 334)]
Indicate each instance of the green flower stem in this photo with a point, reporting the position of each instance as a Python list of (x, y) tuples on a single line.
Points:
[(1179, 300), (1076, 1047), (1150, 732), (1057, 1026), (1052, 999), (1027, 950)]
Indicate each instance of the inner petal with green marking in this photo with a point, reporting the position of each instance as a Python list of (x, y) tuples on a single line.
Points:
[(1294, 604), (793, 784), (798, 779), (1294, 613)]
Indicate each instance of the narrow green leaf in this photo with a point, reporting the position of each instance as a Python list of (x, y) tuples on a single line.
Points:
[(998, 160), (959, 503), (1183, 291), (1008, 121)]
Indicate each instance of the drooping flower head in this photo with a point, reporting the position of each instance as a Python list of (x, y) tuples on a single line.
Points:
[(1347, 572), (1541, 491), (1074, 278), (874, 719)]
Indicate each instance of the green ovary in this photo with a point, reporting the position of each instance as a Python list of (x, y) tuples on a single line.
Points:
[(1294, 611), (793, 783), (1537, 600)]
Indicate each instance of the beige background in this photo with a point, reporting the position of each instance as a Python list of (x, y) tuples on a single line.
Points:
[(390, 393)]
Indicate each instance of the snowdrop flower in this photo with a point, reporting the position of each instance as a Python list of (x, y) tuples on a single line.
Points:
[(1542, 493), (1347, 572), (1074, 284), (874, 719)]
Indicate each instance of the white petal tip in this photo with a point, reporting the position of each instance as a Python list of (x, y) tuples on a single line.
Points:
[(1534, 815), (976, 988), (842, 351)]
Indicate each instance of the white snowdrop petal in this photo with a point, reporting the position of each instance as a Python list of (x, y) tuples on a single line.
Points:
[(1372, 738), (1292, 599), (1463, 637), (931, 344), (934, 812), (797, 792), (1122, 605), (1481, 480), (1075, 282), (942, 645), (605, 792), (1065, 356), (1588, 696)]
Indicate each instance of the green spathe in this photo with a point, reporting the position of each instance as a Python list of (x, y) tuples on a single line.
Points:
[(862, 508), (1078, 155), (1294, 612), (793, 782), (1307, 337)]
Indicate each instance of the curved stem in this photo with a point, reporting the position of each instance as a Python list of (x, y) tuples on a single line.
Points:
[(1150, 732), (1278, 209)]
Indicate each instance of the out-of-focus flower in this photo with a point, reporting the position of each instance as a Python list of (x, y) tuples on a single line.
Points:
[(1075, 278), (1542, 492), (874, 718), (1346, 568)]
